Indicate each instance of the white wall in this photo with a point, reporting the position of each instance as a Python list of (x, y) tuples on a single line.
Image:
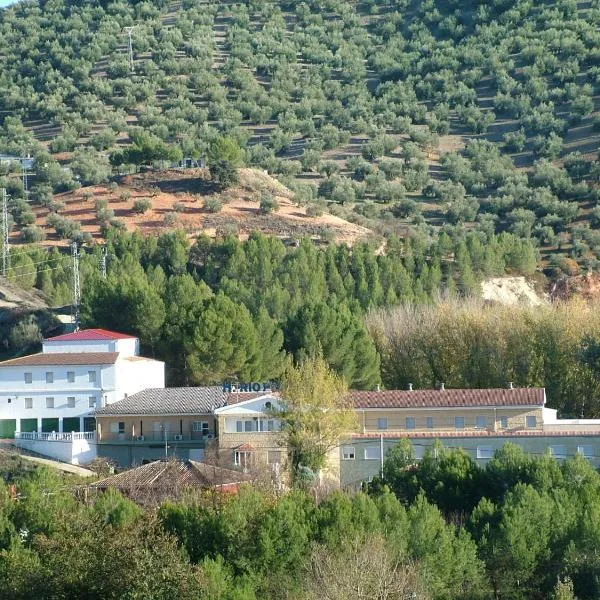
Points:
[(126, 347), (77, 452), (133, 376)]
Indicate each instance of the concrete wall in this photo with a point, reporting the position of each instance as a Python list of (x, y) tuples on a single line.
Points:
[(76, 452), (132, 375), (444, 419), (352, 472)]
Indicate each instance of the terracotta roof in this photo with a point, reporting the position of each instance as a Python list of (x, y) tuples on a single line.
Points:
[(89, 335), (62, 358), (247, 447), (167, 401), (448, 398), (170, 474)]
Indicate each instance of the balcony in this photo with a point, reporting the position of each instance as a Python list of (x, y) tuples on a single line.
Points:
[(156, 437), (72, 447)]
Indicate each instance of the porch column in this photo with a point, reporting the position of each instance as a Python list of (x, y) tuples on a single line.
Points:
[(39, 424), (81, 424), (60, 424)]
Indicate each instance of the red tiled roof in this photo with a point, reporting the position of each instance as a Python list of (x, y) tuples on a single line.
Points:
[(89, 335), (448, 398), (62, 358)]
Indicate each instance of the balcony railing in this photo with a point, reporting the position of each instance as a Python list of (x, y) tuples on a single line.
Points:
[(56, 437), (156, 437)]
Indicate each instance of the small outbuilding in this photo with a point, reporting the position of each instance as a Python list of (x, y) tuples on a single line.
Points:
[(161, 480)]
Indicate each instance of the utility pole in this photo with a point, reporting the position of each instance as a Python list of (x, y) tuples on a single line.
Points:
[(103, 262), (25, 179), (129, 32), (75, 314), (5, 242)]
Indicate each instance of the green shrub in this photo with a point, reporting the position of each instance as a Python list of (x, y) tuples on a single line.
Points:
[(142, 205), (32, 234), (214, 204), (268, 204)]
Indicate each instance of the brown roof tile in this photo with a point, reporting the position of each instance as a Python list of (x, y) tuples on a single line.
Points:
[(172, 473), (62, 358), (448, 398)]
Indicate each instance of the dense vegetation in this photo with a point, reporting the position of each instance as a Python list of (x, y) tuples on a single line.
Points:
[(221, 309), (521, 527), (362, 105), (470, 344)]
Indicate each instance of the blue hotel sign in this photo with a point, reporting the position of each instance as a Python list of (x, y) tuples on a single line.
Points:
[(253, 386)]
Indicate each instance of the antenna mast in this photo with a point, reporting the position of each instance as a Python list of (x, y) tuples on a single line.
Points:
[(5, 242), (129, 32), (75, 314)]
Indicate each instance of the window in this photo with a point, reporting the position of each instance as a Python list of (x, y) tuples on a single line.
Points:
[(372, 453), (429, 422), (504, 422), (92, 376), (410, 422), (71, 376), (587, 451), (558, 451), (481, 422), (484, 452), (92, 402), (248, 426), (531, 421), (121, 426), (49, 402), (382, 423), (242, 459), (274, 457), (239, 426), (270, 425), (201, 426), (71, 401), (348, 453), (459, 422), (49, 377), (28, 402), (28, 377)]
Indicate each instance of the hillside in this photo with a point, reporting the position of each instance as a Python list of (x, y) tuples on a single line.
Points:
[(480, 116), (187, 200)]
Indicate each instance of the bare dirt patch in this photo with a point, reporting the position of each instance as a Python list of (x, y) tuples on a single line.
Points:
[(185, 194)]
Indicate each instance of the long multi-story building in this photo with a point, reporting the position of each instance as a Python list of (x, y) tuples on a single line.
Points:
[(52, 396)]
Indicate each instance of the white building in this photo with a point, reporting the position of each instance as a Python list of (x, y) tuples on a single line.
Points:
[(51, 396)]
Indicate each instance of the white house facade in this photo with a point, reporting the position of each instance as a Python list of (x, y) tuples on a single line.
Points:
[(53, 395)]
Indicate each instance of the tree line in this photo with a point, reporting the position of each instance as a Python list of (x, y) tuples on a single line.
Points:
[(520, 527), (471, 344), (219, 309)]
